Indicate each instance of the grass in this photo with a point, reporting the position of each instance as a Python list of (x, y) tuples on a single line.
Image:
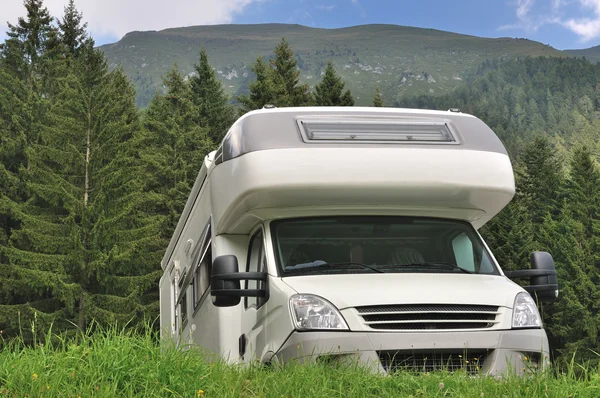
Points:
[(124, 364)]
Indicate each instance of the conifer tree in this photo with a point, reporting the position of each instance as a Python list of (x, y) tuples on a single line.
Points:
[(329, 91), (214, 111), (277, 83), (542, 182), (262, 90), (378, 98), (31, 33), (571, 321), (173, 148), (72, 31), (82, 249), (286, 78)]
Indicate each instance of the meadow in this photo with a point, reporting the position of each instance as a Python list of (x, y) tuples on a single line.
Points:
[(117, 363)]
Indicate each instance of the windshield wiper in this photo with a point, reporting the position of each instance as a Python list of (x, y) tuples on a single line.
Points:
[(438, 265), (359, 264)]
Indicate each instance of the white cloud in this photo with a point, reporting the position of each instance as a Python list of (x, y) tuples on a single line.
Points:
[(356, 4), (116, 17), (586, 26), (527, 21)]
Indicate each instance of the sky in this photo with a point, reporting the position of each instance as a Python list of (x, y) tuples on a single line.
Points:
[(563, 24)]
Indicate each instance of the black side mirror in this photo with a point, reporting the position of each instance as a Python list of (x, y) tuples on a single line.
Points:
[(225, 282), (543, 283)]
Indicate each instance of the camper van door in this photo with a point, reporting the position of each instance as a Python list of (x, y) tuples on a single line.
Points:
[(253, 339)]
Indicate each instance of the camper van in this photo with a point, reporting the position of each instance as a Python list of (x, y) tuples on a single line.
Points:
[(351, 234)]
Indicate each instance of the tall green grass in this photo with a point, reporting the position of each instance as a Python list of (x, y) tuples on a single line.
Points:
[(113, 363)]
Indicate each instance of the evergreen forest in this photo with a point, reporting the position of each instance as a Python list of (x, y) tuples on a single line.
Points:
[(91, 186)]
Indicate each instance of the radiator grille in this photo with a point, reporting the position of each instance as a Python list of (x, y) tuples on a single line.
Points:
[(429, 316), (470, 361)]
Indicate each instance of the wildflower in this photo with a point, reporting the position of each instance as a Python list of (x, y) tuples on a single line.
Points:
[(441, 385), (34, 376), (72, 374), (47, 387), (524, 358), (200, 393)]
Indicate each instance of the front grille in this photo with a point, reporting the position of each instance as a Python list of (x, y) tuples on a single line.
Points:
[(470, 361), (429, 316)]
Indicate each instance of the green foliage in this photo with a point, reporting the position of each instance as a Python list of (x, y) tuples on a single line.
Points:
[(91, 190), (72, 31), (113, 362), (329, 91), (277, 83), (378, 98), (400, 60), (262, 90), (286, 78), (213, 110), (521, 99), (173, 147)]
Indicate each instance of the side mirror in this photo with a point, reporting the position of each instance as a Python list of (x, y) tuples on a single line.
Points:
[(543, 283), (225, 282)]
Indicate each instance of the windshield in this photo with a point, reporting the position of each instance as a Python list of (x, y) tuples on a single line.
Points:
[(344, 245)]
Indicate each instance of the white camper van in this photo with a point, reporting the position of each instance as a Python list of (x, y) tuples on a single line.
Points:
[(351, 234)]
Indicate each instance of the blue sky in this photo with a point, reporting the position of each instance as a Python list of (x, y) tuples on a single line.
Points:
[(564, 24)]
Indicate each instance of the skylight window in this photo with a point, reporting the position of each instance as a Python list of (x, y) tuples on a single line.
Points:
[(373, 131)]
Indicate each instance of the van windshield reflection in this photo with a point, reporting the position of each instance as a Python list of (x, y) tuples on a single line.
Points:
[(348, 245)]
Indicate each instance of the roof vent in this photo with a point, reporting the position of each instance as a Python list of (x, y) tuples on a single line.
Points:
[(269, 106), (456, 110), (374, 131)]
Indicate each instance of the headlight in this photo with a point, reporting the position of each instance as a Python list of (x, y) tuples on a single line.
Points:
[(525, 312), (311, 312)]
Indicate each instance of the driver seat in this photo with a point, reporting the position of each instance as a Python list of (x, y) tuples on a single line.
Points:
[(406, 255)]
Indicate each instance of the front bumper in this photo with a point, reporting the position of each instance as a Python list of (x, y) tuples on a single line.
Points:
[(498, 352)]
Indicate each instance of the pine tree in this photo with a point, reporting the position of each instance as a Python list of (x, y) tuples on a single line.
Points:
[(31, 33), (571, 323), (173, 148), (214, 111), (72, 31), (82, 248), (542, 182), (286, 78), (262, 90), (378, 98), (329, 91)]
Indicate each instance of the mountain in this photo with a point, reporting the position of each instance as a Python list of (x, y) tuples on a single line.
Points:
[(592, 54), (399, 59)]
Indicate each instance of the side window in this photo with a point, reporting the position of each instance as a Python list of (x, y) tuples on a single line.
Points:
[(463, 252), (255, 263), (202, 268), (202, 276), (175, 317), (183, 305)]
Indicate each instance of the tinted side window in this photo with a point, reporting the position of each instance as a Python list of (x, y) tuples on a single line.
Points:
[(202, 277), (255, 263), (202, 267)]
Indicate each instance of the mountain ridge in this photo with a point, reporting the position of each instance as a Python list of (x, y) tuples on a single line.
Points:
[(400, 60)]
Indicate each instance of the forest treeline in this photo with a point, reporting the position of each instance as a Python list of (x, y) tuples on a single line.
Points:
[(91, 187)]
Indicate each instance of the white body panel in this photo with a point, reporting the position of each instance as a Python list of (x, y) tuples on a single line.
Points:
[(247, 192), (478, 184)]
